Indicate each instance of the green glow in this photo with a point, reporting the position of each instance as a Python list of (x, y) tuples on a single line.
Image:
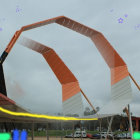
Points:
[(5, 136), (136, 135)]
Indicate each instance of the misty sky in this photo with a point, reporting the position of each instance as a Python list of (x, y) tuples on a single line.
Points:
[(30, 81)]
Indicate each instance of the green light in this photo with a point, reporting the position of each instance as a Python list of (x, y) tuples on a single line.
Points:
[(5, 136), (136, 135)]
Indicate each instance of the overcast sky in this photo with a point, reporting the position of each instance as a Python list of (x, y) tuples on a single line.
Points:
[(30, 81)]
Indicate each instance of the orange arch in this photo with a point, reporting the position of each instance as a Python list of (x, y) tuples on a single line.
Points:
[(70, 85), (116, 64)]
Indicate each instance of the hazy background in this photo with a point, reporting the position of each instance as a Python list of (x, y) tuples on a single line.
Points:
[(30, 81)]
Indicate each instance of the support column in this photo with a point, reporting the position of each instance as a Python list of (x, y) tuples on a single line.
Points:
[(5, 126), (73, 129), (47, 134), (100, 126), (81, 129), (61, 131), (32, 130), (130, 122), (13, 126), (109, 127)]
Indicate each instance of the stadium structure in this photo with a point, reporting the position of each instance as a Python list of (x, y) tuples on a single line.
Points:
[(121, 92)]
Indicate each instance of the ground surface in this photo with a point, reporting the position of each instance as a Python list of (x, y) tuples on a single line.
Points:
[(54, 138)]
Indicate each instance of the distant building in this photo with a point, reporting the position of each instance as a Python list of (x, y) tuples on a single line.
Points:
[(136, 123)]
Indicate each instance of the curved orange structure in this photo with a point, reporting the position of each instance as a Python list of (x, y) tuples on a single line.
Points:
[(120, 83), (107, 51), (64, 75), (70, 86)]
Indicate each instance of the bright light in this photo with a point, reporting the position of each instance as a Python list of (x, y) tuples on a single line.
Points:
[(45, 116), (5, 136), (136, 135)]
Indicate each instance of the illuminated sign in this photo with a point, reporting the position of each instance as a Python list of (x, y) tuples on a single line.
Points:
[(16, 136), (136, 135), (5, 136)]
